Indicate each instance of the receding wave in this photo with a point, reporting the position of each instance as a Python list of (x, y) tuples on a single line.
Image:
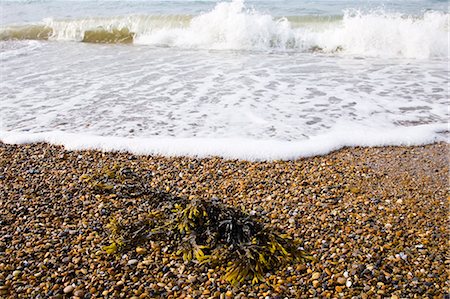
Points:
[(230, 25)]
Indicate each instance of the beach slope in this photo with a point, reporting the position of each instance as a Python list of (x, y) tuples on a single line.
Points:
[(375, 219)]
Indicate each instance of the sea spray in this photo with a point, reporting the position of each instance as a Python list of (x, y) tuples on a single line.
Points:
[(233, 26)]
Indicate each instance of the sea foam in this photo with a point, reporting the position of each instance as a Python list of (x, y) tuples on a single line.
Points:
[(238, 148), (233, 26)]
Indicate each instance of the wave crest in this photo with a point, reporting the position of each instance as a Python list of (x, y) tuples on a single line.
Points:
[(230, 25)]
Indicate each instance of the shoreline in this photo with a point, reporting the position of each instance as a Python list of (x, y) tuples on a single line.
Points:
[(251, 150), (375, 219)]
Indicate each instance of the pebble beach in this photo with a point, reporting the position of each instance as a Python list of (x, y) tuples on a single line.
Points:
[(374, 219)]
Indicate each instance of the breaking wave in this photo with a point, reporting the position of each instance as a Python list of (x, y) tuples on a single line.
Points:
[(232, 26)]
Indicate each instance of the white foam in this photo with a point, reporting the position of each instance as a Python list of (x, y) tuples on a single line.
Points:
[(11, 49), (230, 25), (387, 35), (236, 148)]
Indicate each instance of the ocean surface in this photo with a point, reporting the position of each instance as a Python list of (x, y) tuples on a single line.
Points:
[(255, 80)]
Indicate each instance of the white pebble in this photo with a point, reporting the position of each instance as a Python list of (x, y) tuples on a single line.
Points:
[(132, 262)]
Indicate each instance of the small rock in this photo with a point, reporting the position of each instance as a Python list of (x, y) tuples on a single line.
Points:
[(33, 171), (315, 283), (315, 275), (66, 259), (69, 289), (16, 273), (132, 262), (79, 293), (192, 279), (341, 280), (141, 250)]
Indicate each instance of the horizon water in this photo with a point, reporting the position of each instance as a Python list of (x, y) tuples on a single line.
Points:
[(254, 80)]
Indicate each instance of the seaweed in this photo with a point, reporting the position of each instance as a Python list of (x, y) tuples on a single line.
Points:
[(199, 231)]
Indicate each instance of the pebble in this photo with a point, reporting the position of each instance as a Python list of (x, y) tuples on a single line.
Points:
[(354, 236), (79, 293), (315, 283), (16, 273), (141, 250), (315, 275), (132, 262), (68, 289)]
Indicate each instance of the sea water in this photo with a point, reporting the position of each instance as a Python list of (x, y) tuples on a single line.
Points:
[(268, 79)]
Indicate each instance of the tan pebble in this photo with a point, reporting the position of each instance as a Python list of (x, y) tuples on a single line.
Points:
[(341, 280), (315, 276), (315, 283), (394, 297), (229, 294), (79, 293), (69, 289), (55, 287), (16, 273), (141, 250), (161, 285), (338, 289)]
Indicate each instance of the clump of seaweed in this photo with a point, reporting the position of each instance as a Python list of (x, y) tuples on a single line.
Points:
[(209, 232), (202, 232)]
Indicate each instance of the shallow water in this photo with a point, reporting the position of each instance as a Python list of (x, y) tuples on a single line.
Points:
[(232, 81)]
